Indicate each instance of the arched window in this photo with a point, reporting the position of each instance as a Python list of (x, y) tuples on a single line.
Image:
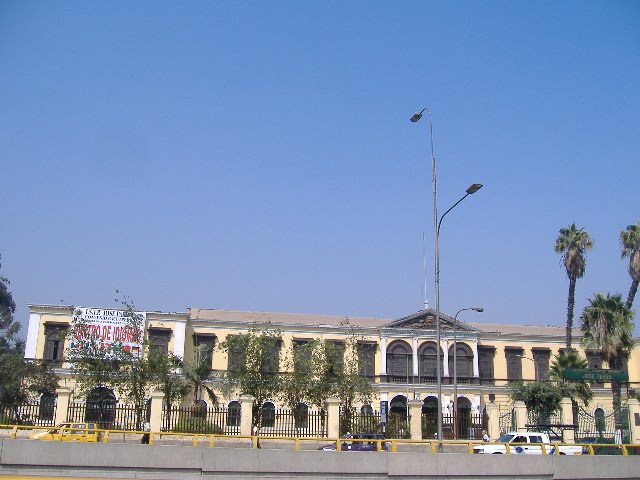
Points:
[(430, 406), (101, 407), (428, 361), (464, 359), (268, 414), (301, 415), (366, 410), (399, 360), (398, 406), (54, 343), (199, 408), (233, 414), (47, 406)]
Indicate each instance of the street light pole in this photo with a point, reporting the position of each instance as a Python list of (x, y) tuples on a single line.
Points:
[(436, 230), (455, 365)]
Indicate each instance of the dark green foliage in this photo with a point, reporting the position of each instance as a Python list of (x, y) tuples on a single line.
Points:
[(253, 366), (576, 390), (541, 398), (572, 243), (193, 424), (19, 379)]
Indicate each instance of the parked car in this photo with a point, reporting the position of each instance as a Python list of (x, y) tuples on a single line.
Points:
[(364, 442), (526, 443), (70, 432)]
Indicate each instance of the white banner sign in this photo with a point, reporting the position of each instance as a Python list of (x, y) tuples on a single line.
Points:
[(108, 330)]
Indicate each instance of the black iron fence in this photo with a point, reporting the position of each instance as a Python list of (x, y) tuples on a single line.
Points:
[(294, 423), (41, 414), (601, 427), (396, 426), (200, 419), (117, 416), (460, 426), (507, 421)]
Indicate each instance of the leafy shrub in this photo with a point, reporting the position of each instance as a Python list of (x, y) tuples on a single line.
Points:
[(196, 425)]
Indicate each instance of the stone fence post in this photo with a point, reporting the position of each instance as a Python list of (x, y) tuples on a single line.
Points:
[(246, 414), (634, 421), (333, 417), (62, 405), (566, 411), (155, 420), (415, 416), (520, 411), (493, 427)]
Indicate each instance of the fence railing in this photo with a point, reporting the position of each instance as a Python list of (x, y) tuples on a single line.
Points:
[(40, 414), (197, 419), (297, 423), (118, 416), (458, 426)]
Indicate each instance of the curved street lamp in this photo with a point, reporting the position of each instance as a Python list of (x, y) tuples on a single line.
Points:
[(473, 188)]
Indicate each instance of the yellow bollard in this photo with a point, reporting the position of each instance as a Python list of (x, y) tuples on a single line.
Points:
[(470, 444), (433, 447), (624, 450), (297, 447), (195, 440), (14, 431), (150, 438), (394, 446), (211, 440), (105, 437), (338, 446), (378, 445)]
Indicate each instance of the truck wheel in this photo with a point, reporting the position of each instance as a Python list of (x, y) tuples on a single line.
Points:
[(497, 453)]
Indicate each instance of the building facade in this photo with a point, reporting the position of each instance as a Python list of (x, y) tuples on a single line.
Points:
[(398, 356)]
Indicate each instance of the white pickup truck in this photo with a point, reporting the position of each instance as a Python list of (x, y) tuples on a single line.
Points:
[(526, 443)]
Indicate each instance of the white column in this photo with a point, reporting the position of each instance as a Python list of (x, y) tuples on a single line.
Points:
[(178, 338), (445, 359), (32, 335), (414, 346), (383, 355), (476, 367)]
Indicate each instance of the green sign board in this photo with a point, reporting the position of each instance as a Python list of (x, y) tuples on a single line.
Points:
[(596, 375)]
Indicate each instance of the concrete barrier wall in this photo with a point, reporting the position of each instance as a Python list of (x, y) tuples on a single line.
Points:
[(185, 463)]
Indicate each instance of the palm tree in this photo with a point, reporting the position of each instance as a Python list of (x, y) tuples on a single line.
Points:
[(630, 240), (607, 325), (572, 243), (576, 390)]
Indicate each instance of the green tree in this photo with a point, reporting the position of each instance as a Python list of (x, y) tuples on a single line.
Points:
[(136, 375), (350, 386), (630, 241), (197, 373), (607, 326), (94, 366), (541, 398), (300, 368), (572, 243), (20, 379), (165, 373), (576, 390), (253, 366)]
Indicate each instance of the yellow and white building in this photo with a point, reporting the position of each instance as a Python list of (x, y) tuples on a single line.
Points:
[(399, 356)]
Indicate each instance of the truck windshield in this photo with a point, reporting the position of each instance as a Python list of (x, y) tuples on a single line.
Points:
[(505, 438)]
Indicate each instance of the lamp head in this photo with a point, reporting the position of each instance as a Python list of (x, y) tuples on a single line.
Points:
[(473, 188), (417, 116), (478, 309)]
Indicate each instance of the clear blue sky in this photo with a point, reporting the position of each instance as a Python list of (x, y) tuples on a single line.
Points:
[(259, 155)]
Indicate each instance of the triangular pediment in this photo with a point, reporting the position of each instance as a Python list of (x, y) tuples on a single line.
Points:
[(426, 320)]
